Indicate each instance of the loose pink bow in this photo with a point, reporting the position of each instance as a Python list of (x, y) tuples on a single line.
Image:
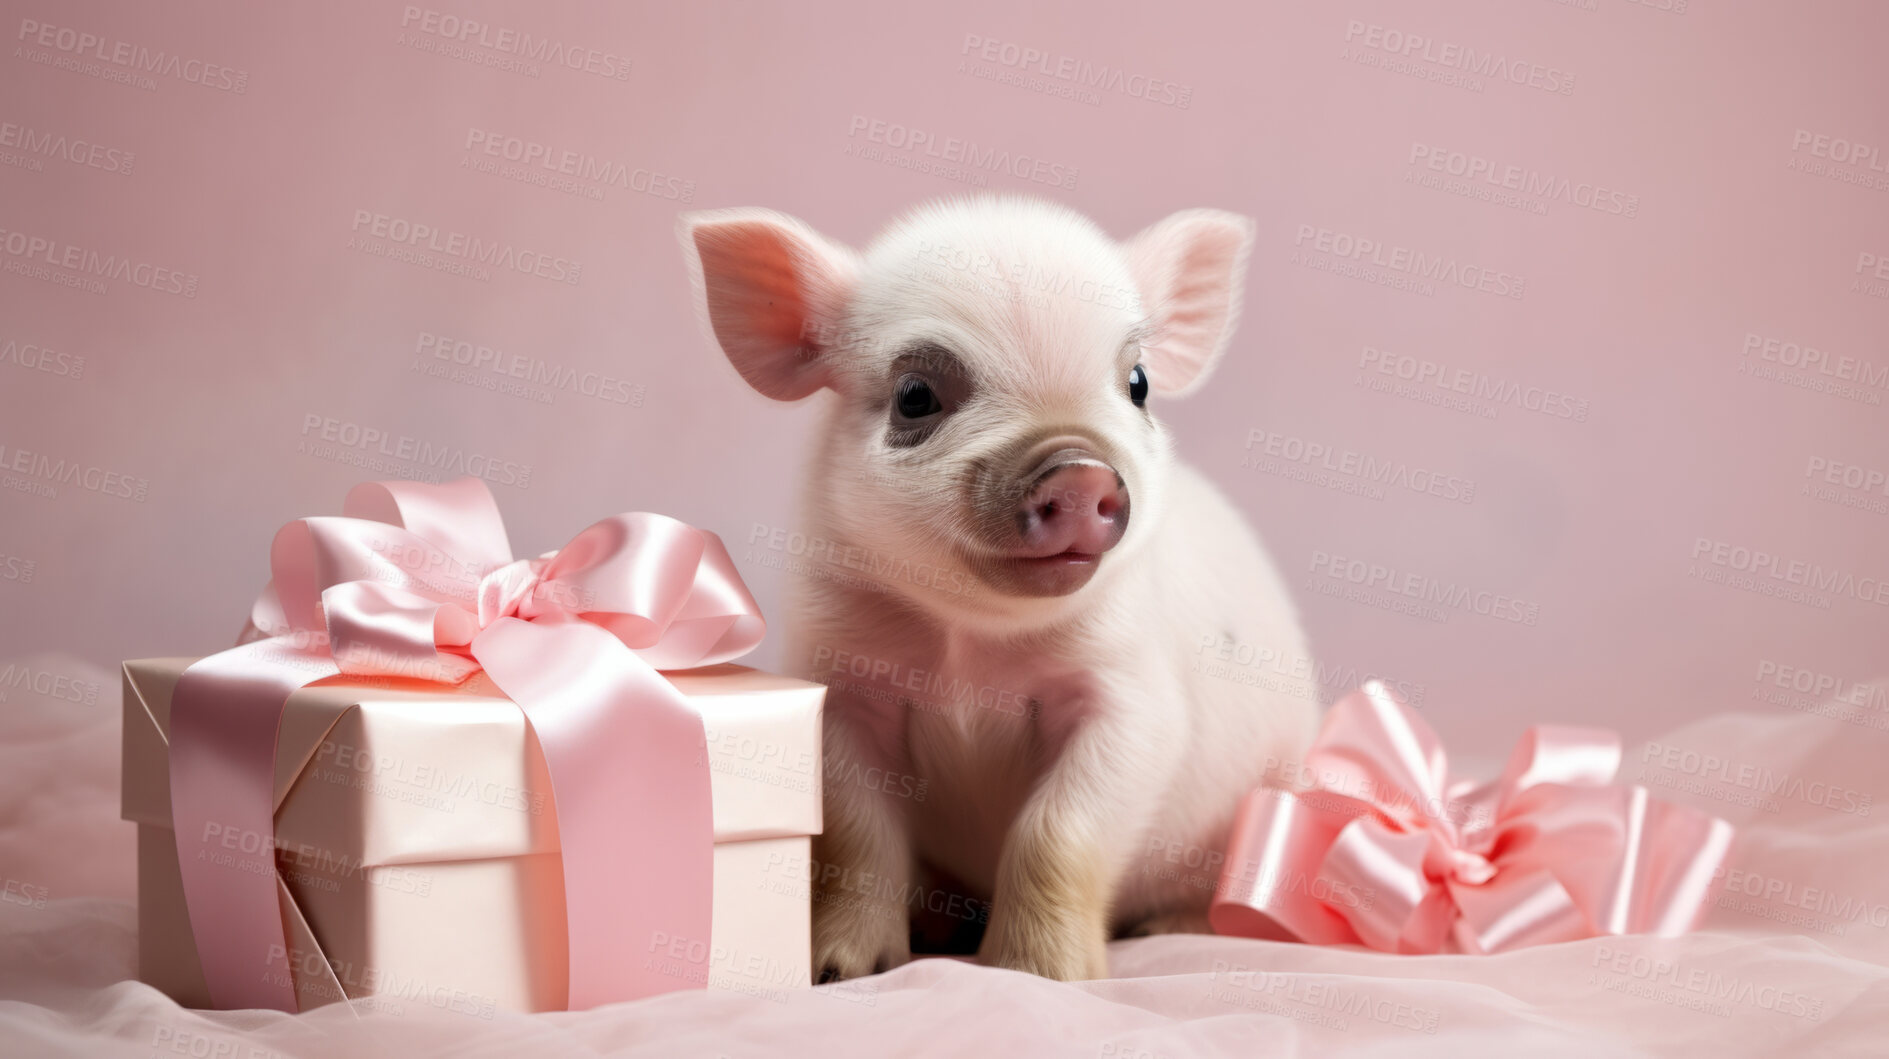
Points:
[(1384, 849), (418, 581)]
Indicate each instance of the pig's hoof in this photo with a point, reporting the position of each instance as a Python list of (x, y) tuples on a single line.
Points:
[(1046, 952), (855, 940), (1064, 964), (1185, 921)]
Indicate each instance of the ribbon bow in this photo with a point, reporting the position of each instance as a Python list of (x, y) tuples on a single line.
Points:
[(418, 581), (1383, 848)]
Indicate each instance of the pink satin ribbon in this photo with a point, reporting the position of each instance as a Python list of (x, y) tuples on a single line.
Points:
[(418, 581), (1382, 848)]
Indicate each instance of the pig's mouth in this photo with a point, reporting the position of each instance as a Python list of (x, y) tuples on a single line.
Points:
[(1039, 575), (1067, 554)]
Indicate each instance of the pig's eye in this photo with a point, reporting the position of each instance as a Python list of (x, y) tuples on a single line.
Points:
[(914, 398), (1138, 386)]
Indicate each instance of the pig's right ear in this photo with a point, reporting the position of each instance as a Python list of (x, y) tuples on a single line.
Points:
[(771, 290), (1191, 268)]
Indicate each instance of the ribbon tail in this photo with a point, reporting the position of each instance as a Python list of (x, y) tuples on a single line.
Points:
[(1669, 857), (1269, 886), (626, 755), (224, 716), (1630, 863)]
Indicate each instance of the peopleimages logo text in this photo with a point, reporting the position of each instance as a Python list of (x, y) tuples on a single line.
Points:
[(1423, 587), (578, 165), (531, 370), (36, 472), (467, 248), (38, 358), (1402, 259), (472, 32), (1473, 383), (1078, 71), (1474, 167), (1757, 562), (77, 150), (121, 53), (958, 151), (1495, 66), (43, 250), (447, 459), (1839, 149)]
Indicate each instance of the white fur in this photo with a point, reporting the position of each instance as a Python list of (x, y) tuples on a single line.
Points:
[(1063, 817)]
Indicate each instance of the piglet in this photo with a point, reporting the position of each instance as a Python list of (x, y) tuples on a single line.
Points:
[(1011, 583)]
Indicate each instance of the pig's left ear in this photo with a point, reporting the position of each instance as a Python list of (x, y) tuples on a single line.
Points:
[(1191, 271), (771, 291)]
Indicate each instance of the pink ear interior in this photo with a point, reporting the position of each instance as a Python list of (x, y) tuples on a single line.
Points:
[(1191, 268), (770, 288)]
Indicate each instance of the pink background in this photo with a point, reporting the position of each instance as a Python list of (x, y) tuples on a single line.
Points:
[(1725, 125)]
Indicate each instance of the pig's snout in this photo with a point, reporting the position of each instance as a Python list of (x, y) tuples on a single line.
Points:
[(1047, 508), (1077, 505)]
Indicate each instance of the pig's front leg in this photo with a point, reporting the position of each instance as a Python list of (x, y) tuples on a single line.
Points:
[(1068, 846), (863, 867)]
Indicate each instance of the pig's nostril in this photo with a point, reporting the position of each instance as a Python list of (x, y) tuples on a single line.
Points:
[(1080, 508)]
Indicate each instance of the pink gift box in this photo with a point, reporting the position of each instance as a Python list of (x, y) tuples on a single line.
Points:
[(417, 849)]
